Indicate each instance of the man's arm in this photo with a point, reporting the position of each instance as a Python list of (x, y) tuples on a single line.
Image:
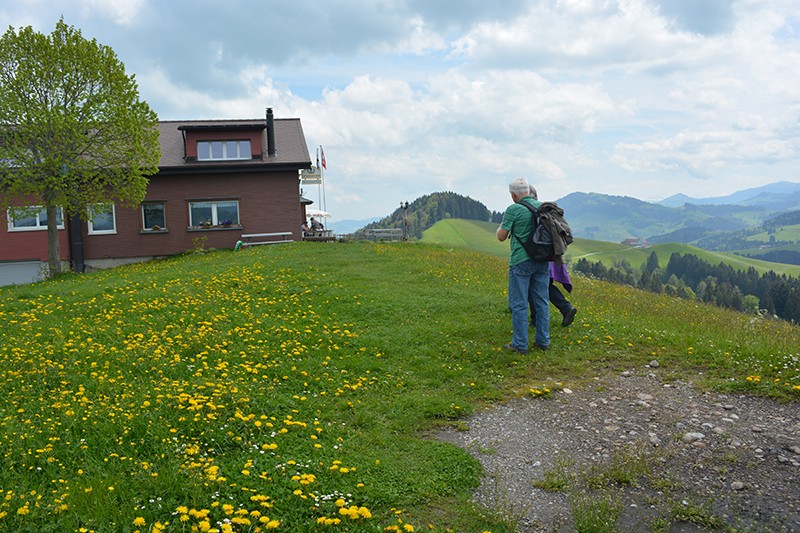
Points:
[(502, 234)]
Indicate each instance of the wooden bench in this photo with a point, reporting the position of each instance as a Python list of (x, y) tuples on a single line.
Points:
[(274, 238)]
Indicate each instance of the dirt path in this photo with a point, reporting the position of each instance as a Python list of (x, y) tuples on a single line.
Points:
[(667, 456)]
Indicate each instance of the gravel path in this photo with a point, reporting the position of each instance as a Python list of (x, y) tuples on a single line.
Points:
[(704, 460)]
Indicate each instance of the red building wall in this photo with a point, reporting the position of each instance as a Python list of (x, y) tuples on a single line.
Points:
[(27, 245), (267, 201)]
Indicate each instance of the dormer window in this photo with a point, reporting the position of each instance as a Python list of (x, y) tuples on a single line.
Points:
[(223, 150)]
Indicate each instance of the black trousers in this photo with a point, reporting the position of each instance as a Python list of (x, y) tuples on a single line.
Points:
[(557, 298)]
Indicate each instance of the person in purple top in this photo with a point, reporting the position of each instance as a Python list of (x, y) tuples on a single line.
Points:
[(558, 274)]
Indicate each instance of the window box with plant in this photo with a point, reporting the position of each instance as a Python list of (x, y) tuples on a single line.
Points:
[(214, 215)]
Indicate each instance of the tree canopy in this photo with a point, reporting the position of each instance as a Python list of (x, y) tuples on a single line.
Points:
[(73, 131)]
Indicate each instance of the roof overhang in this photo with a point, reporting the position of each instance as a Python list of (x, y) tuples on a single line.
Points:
[(226, 127), (208, 169)]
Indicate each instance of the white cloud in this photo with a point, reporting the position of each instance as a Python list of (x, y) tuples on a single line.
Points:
[(641, 97), (122, 12), (419, 40)]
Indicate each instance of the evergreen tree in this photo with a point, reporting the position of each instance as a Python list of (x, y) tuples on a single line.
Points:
[(652, 263), (792, 309), (768, 304)]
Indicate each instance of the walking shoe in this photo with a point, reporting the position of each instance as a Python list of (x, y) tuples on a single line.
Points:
[(542, 348), (569, 317), (512, 348)]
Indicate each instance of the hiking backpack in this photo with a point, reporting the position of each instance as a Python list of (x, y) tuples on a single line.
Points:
[(550, 233)]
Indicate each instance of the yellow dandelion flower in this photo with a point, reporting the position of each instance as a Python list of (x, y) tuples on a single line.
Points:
[(139, 521)]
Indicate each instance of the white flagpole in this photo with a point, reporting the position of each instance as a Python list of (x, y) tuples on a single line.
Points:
[(322, 179), (319, 169)]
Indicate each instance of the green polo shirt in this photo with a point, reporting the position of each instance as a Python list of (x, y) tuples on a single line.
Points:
[(517, 221)]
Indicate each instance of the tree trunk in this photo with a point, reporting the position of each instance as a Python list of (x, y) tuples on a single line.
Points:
[(53, 243)]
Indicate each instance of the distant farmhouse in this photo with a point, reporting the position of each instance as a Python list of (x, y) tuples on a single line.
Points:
[(636, 243), (217, 180)]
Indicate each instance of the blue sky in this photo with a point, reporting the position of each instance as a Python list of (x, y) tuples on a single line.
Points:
[(643, 98)]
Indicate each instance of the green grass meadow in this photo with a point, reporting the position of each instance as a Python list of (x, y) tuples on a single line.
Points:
[(297, 387)]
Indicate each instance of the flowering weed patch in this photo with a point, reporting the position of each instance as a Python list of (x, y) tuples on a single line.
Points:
[(285, 387)]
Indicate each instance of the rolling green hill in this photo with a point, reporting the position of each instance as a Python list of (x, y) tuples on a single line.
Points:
[(615, 218), (782, 233), (480, 236)]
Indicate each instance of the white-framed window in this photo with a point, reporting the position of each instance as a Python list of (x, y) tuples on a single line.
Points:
[(102, 220), (154, 216), (223, 150), (32, 218), (214, 213)]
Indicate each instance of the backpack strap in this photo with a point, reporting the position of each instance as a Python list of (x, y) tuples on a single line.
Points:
[(534, 223)]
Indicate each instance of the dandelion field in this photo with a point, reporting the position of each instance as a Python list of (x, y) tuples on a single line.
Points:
[(294, 387)]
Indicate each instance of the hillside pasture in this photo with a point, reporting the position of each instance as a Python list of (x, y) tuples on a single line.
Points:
[(789, 234), (295, 387)]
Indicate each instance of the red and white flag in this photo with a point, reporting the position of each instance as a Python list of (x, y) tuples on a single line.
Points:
[(322, 153)]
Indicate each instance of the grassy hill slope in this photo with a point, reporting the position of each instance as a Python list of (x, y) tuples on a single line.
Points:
[(789, 233), (480, 236), (290, 385)]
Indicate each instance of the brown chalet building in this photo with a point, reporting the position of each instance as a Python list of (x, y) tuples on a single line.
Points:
[(217, 180)]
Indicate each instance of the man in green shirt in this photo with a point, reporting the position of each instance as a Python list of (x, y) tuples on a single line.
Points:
[(524, 275)]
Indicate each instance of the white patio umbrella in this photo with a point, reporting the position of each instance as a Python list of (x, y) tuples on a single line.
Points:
[(316, 213)]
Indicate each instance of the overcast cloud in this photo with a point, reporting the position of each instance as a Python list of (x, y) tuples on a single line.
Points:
[(644, 98)]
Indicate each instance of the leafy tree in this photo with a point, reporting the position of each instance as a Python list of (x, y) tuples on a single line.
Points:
[(751, 304), (73, 132)]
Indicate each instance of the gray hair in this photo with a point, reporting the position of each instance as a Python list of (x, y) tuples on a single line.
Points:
[(534, 193), (519, 187)]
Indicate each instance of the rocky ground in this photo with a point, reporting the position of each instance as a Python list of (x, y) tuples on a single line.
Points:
[(666, 455)]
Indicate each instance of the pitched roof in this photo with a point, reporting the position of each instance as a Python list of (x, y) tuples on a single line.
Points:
[(290, 143)]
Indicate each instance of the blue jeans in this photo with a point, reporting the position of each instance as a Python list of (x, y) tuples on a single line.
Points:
[(533, 277)]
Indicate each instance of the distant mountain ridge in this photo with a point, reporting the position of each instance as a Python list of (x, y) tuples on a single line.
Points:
[(349, 225), (678, 218), (769, 194)]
